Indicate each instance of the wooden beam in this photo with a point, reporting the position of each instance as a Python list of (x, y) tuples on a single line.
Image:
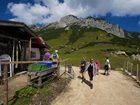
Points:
[(8, 37), (19, 62), (3, 44), (26, 62), (12, 38), (13, 24)]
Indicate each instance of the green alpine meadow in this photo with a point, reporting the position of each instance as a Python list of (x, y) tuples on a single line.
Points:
[(75, 42)]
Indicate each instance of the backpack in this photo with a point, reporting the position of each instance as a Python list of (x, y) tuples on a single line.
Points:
[(55, 56)]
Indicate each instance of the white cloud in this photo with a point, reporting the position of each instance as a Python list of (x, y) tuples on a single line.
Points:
[(30, 14), (37, 13)]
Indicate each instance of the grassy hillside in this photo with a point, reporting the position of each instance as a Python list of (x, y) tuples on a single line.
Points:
[(75, 42)]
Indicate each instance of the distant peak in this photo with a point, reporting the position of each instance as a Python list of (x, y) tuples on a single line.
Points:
[(71, 16), (69, 19), (100, 23)]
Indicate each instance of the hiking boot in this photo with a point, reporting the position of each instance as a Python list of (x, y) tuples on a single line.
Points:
[(108, 74), (83, 80)]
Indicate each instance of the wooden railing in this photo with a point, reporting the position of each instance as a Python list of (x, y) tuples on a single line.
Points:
[(132, 70), (5, 75)]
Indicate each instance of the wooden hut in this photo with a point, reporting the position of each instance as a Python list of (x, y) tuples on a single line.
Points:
[(16, 43)]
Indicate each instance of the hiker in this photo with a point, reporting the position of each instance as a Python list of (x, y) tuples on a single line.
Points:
[(83, 67), (97, 67), (107, 66), (91, 68), (47, 55), (55, 57)]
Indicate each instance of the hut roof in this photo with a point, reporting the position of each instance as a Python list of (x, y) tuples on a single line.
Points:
[(18, 31), (15, 30)]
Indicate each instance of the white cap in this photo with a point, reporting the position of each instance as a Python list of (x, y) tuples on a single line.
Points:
[(56, 51)]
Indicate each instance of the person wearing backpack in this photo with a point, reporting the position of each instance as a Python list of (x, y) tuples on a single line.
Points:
[(55, 57), (107, 66), (55, 62)]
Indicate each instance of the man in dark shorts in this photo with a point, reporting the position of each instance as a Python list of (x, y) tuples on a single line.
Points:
[(106, 66), (83, 67)]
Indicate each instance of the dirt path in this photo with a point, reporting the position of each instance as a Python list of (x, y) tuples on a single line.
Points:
[(115, 89)]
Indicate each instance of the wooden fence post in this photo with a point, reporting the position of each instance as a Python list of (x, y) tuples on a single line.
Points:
[(137, 73), (65, 68), (30, 46), (127, 66), (5, 84), (131, 67), (124, 66)]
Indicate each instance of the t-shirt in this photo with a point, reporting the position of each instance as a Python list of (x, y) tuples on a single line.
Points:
[(97, 65), (55, 56), (107, 62), (90, 68), (83, 64), (47, 56)]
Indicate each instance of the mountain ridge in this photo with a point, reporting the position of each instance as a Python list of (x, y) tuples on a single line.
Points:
[(68, 20)]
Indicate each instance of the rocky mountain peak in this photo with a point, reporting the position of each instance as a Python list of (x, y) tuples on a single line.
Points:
[(69, 19), (92, 22)]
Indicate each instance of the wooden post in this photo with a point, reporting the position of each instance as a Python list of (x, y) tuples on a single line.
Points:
[(131, 67), (29, 54), (39, 81), (58, 69), (0, 71), (29, 79), (124, 66), (5, 84), (127, 66), (13, 56), (65, 68), (137, 73)]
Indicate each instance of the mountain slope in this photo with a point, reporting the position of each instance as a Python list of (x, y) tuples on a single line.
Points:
[(76, 41)]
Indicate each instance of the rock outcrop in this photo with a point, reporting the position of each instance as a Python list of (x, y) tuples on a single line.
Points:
[(120, 53), (136, 57)]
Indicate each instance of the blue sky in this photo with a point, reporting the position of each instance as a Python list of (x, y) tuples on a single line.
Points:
[(125, 13)]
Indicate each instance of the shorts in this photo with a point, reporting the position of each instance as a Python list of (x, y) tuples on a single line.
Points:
[(82, 69), (106, 67)]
